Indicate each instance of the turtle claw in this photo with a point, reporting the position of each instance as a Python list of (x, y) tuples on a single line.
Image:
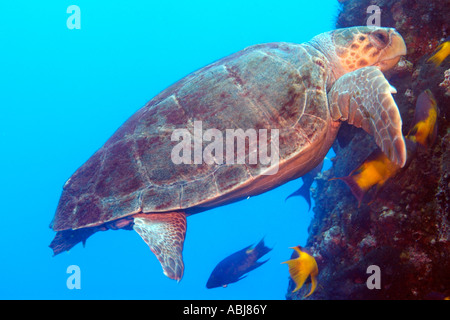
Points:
[(164, 234), (392, 89), (363, 98)]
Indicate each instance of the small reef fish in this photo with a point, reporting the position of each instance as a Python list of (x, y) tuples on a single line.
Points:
[(234, 267), (308, 180), (375, 170), (301, 266), (424, 131), (442, 52)]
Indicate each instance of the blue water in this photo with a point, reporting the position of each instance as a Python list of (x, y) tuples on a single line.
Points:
[(62, 95)]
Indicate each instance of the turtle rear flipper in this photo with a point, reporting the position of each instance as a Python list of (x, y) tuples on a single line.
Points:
[(164, 234), (363, 98)]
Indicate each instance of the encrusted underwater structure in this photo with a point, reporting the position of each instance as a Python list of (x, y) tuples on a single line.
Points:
[(406, 229)]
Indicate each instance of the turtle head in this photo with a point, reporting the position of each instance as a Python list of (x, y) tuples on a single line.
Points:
[(349, 49)]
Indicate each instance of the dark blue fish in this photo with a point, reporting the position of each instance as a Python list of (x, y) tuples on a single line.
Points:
[(308, 180), (234, 267)]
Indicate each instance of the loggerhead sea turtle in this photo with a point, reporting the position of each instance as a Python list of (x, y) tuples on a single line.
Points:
[(303, 90)]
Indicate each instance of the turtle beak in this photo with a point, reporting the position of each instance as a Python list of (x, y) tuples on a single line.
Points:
[(392, 52), (397, 43)]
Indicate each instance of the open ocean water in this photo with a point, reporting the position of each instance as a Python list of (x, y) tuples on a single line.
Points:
[(64, 92)]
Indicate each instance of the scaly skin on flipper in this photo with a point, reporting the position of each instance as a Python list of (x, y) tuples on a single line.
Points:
[(363, 99), (164, 234)]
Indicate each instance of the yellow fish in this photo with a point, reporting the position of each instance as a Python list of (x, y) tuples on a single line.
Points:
[(375, 170), (442, 52), (425, 129), (301, 267)]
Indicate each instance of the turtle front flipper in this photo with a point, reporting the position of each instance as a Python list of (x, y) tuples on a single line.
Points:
[(164, 234), (363, 98)]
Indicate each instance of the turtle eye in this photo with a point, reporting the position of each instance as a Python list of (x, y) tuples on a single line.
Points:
[(381, 38)]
